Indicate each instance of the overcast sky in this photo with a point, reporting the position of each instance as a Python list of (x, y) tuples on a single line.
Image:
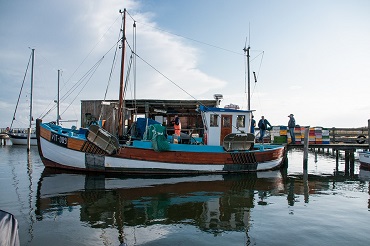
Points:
[(312, 58)]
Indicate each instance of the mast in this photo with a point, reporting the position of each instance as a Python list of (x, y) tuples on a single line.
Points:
[(58, 99), (121, 87), (29, 128), (246, 50)]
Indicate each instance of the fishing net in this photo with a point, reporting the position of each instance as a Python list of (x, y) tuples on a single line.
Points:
[(156, 133)]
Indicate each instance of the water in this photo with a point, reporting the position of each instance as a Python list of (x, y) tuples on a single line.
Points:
[(330, 207)]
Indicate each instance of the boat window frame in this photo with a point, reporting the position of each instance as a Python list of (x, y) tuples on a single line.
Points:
[(213, 120), (240, 122)]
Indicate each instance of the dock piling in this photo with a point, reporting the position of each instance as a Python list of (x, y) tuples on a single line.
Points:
[(305, 148)]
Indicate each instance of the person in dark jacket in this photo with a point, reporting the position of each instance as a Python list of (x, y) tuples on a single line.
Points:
[(291, 126), (262, 125), (253, 124)]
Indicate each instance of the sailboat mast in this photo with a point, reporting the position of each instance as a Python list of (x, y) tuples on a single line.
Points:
[(121, 87), (58, 99), (29, 128), (249, 80)]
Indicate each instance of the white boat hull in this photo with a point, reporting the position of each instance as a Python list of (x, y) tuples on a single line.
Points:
[(77, 160), (21, 139)]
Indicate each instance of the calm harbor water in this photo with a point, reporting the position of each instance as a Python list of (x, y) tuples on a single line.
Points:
[(325, 207)]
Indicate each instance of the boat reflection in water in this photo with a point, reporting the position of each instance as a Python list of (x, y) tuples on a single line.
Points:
[(212, 203)]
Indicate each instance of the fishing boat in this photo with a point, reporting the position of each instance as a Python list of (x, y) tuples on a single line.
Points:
[(364, 158), (226, 146), (24, 137)]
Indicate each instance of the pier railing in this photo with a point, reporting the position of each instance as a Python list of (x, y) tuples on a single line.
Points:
[(349, 135), (16, 130)]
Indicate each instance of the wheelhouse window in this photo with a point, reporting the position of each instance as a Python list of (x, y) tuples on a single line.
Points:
[(240, 121), (226, 121), (214, 120)]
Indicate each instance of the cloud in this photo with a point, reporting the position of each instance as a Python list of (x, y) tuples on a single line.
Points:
[(74, 38)]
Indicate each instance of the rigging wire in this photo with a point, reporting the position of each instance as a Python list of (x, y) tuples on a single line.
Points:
[(24, 78), (91, 71), (174, 83), (194, 40), (90, 52), (91, 74), (165, 76), (76, 85), (78, 67)]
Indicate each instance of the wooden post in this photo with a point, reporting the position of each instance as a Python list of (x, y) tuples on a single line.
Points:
[(305, 186), (346, 162), (333, 129), (352, 163), (337, 160), (305, 148)]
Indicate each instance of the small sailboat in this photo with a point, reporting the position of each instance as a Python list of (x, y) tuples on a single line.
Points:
[(24, 137), (21, 137), (227, 146)]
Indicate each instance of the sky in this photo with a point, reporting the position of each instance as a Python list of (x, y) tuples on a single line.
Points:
[(311, 58)]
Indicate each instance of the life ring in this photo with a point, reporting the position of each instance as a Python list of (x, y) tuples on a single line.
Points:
[(361, 139)]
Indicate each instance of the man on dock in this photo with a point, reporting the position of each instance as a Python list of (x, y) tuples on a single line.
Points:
[(291, 126)]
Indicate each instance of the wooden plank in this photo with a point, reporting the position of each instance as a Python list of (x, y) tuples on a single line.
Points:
[(45, 133), (75, 144)]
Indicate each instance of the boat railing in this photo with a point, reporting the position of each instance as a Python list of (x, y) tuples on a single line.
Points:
[(17, 130)]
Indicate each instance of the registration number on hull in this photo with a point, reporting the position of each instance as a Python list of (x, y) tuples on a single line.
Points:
[(58, 139)]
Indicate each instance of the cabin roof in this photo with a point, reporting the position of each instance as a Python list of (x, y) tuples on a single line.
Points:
[(161, 106), (230, 110)]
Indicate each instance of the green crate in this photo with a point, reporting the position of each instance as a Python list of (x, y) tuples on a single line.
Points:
[(280, 139)]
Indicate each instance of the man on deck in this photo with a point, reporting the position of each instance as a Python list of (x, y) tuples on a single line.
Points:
[(177, 125)]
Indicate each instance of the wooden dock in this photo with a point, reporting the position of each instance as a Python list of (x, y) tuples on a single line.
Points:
[(332, 146), (334, 149), (3, 138)]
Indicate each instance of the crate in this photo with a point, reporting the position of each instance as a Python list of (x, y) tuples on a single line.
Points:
[(280, 139)]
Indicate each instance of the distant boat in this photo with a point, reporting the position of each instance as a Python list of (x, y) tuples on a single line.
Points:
[(27, 137), (227, 146), (364, 158), (21, 138)]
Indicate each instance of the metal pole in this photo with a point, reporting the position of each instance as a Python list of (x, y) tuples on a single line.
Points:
[(29, 128), (249, 80), (58, 100)]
